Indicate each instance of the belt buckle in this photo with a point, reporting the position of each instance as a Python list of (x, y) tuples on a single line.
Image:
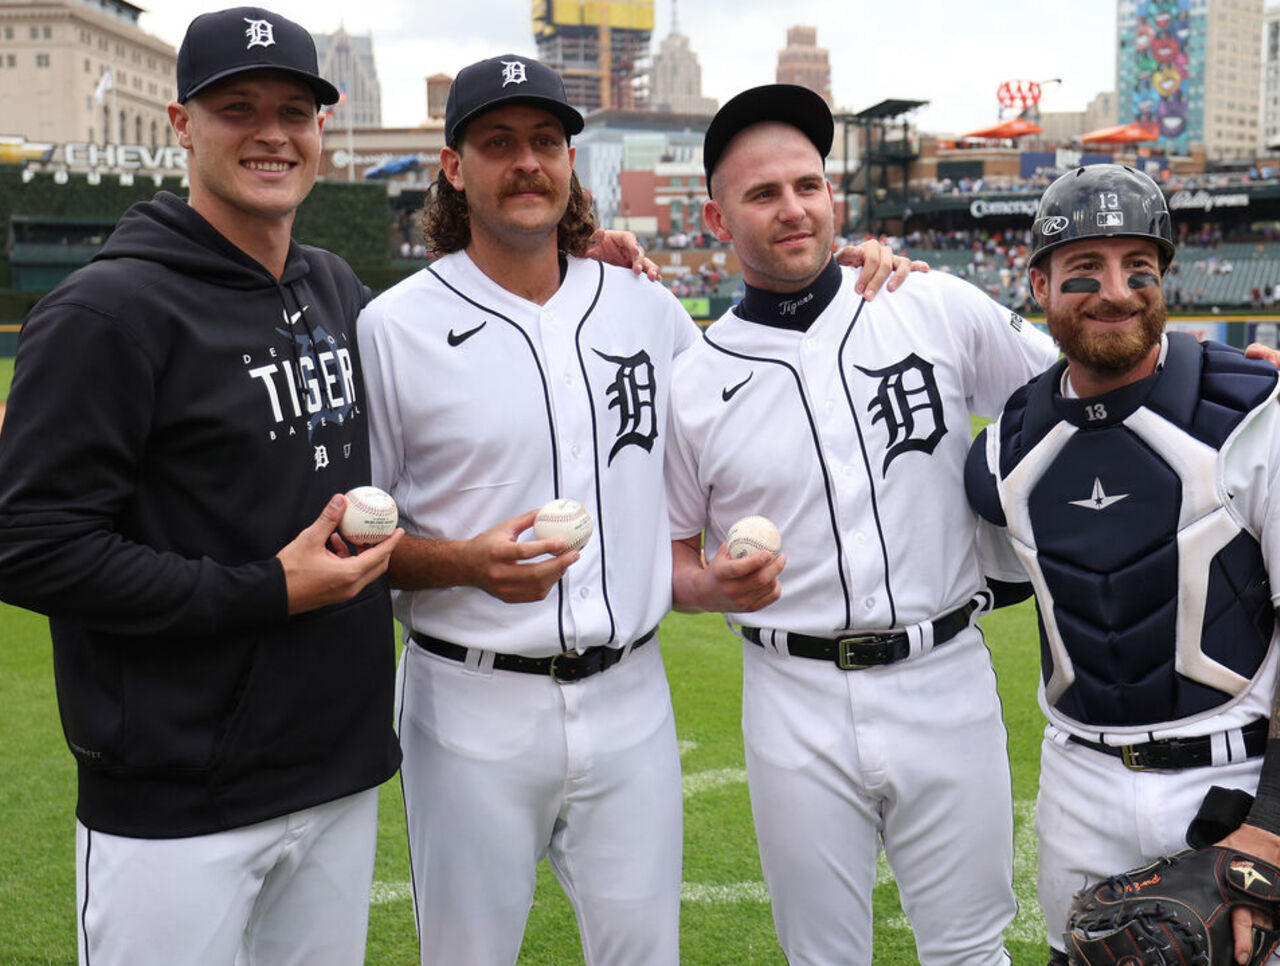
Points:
[(567, 656), (1129, 755), (845, 645)]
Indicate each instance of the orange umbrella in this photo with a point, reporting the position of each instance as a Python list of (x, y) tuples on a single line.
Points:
[(1016, 127), (1130, 133)]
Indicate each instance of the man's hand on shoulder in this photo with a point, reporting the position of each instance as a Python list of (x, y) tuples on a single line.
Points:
[(319, 568), (1256, 350), (878, 263), (623, 249)]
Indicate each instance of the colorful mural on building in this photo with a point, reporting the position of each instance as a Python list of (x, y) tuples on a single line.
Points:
[(1161, 69)]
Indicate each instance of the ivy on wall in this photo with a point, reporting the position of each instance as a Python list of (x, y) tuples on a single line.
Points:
[(350, 219)]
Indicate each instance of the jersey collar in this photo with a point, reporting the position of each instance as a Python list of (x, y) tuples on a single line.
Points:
[(791, 310)]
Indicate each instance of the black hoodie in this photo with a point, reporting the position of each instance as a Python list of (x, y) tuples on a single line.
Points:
[(176, 417)]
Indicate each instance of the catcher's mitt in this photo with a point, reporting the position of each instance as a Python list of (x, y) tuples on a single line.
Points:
[(1175, 911)]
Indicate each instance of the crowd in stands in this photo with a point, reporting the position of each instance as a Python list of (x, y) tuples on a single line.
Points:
[(1239, 269)]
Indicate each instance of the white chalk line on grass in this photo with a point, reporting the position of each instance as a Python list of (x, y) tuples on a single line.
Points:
[(704, 781), (722, 895), (1028, 926), (385, 892)]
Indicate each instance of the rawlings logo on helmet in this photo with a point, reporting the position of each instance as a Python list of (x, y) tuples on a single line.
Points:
[(1054, 224)]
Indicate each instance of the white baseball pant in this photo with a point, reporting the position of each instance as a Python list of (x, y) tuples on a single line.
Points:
[(503, 768), (291, 891), (912, 756)]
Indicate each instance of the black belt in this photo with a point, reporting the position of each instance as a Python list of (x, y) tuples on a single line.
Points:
[(857, 651), (1173, 753), (565, 667)]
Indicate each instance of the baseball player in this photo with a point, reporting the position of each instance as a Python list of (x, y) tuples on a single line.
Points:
[(1133, 482), (186, 412), (535, 715), (870, 713)]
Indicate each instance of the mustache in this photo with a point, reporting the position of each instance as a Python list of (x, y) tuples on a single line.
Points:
[(531, 182), (1107, 307)]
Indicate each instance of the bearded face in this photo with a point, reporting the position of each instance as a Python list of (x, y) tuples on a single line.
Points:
[(1106, 336), (1104, 305)]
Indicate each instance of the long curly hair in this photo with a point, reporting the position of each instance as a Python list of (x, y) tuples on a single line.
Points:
[(446, 219)]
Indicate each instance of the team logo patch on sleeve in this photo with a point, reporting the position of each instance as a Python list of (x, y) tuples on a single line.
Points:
[(909, 407), (632, 394)]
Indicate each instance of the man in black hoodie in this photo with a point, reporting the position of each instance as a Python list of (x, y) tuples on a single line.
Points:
[(186, 413)]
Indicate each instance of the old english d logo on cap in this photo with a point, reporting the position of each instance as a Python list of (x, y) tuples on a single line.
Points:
[(513, 72), (260, 33)]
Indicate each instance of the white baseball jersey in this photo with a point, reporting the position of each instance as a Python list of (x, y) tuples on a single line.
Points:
[(486, 405), (851, 437)]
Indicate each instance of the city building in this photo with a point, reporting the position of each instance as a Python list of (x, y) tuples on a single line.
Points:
[(1063, 127), (803, 62), (82, 71), (348, 62), (619, 145), (438, 94), (1269, 102), (675, 80), (1101, 111), (1189, 71), (600, 48)]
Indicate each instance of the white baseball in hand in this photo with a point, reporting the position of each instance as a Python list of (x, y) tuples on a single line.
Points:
[(567, 519), (751, 534), (370, 517)]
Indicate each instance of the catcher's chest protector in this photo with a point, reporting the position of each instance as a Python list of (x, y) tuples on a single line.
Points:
[(1154, 603)]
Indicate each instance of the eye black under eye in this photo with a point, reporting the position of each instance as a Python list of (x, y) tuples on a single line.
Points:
[(1080, 286)]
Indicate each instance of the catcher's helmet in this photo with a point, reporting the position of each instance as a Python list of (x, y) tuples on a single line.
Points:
[(1102, 201)]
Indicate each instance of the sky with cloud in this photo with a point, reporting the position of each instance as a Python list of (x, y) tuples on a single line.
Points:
[(953, 55)]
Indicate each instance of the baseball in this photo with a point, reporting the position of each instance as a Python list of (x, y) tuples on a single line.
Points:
[(370, 516), (564, 518), (751, 534)]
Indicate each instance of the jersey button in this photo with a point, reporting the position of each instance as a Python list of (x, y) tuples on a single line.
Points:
[(576, 451), (859, 538), (869, 603), (584, 593)]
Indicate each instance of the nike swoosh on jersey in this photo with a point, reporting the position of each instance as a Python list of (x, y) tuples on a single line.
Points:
[(457, 338), (727, 393)]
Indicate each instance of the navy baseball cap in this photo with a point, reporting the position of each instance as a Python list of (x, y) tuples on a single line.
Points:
[(228, 42), (787, 103), (491, 83)]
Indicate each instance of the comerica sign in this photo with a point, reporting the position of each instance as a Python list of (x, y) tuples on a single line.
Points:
[(990, 207)]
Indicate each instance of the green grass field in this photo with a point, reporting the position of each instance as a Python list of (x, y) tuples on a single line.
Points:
[(725, 913)]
